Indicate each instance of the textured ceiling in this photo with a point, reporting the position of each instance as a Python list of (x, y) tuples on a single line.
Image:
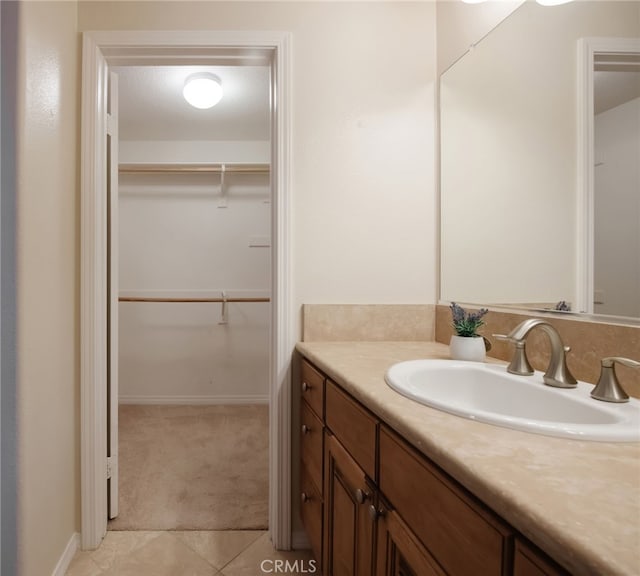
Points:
[(151, 106)]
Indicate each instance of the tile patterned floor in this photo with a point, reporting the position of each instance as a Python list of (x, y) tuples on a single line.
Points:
[(190, 553)]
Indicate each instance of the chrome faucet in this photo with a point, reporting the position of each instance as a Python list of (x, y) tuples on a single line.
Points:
[(558, 373)]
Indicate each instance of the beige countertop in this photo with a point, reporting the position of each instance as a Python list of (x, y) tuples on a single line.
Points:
[(577, 500)]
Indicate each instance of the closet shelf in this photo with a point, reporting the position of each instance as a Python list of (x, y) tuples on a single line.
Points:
[(206, 168), (162, 299)]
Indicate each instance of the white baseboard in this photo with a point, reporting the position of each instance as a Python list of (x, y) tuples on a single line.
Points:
[(194, 400), (299, 540), (67, 555)]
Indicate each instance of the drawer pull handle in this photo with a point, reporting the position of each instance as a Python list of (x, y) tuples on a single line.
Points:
[(305, 429), (306, 387), (305, 497), (361, 496)]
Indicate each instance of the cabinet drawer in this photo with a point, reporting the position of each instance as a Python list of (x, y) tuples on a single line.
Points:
[(463, 537), (311, 444), (311, 512), (354, 426), (313, 388)]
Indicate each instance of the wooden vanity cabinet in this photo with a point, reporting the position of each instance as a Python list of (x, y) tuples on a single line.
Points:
[(464, 536), (312, 455), (375, 506)]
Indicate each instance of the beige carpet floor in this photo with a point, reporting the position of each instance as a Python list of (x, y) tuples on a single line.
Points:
[(193, 468)]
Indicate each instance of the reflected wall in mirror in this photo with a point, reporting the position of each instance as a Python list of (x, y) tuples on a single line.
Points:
[(510, 186), (616, 178)]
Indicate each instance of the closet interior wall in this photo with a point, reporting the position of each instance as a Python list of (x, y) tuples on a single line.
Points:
[(184, 235)]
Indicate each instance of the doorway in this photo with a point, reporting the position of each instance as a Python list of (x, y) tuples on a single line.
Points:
[(193, 257), (603, 105), (101, 51)]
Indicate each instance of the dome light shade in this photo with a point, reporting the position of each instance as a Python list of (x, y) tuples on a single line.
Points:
[(202, 90)]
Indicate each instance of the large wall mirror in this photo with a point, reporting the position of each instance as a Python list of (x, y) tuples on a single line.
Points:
[(514, 182)]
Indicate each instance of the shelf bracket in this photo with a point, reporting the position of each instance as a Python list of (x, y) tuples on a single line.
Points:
[(222, 203)]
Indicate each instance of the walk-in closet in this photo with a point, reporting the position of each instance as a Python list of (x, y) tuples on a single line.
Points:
[(194, 304)]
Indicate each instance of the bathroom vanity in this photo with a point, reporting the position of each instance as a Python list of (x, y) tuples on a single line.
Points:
[(390, 487)]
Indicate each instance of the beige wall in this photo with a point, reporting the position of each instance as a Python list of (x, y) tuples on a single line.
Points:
[(363, 193), (47, 261), (363, 139)]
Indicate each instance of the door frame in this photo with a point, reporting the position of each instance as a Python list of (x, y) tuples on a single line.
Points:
[(187, 48), (588, 48)]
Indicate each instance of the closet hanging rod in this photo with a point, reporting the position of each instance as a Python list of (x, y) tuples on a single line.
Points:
[(177, 168), (159, 299)]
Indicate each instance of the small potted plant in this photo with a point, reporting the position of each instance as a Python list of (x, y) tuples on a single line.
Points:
[(466, 343)]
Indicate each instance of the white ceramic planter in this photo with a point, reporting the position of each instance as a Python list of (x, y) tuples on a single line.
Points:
[(467, 348)]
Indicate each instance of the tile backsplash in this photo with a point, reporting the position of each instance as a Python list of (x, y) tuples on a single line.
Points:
[(369, 322), (589, 341)]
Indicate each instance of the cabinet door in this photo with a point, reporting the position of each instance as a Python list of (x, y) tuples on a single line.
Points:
[(348, 523), (399, 552), (530, 562)]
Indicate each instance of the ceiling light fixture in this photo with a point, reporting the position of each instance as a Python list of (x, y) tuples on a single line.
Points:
[(202, 90)]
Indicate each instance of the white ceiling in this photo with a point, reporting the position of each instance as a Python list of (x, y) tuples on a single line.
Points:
[(151, 106)]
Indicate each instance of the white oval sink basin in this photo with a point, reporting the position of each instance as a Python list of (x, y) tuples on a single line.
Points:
[(488, 393)]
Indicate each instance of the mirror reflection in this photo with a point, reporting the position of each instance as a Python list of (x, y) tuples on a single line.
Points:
[(512, 195)]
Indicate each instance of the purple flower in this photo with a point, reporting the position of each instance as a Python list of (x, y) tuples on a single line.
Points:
[(466, 324)]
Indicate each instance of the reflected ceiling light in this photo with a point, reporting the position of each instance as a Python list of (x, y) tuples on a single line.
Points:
[(202, 90)]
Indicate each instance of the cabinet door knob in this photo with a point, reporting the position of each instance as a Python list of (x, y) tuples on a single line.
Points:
[(361, 496), (305, 429), (305, 497), (374, 513), (306, 387)]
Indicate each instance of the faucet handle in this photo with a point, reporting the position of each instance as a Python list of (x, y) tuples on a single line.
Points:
[(611, 360), (503, 337), (519, 362), (608, 387)]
